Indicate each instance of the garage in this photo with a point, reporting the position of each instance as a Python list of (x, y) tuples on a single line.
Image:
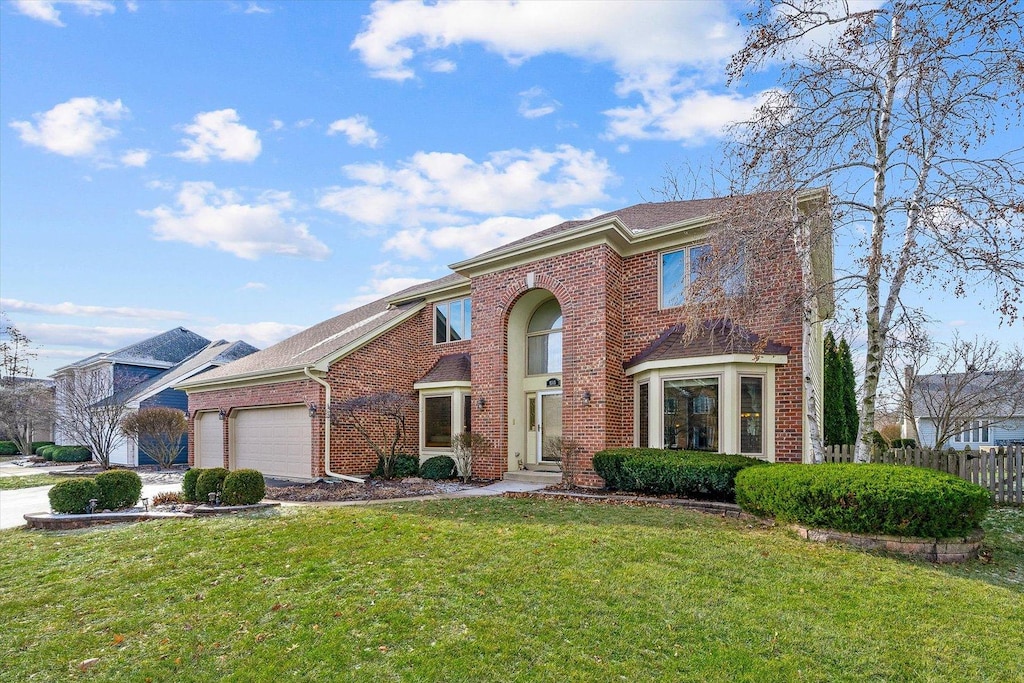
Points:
[(209, 440), (276, 441)]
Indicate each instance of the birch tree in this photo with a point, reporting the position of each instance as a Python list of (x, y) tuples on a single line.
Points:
[(897, 107)]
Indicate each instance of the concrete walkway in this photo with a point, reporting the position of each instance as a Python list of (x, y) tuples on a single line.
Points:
[(9, 469)]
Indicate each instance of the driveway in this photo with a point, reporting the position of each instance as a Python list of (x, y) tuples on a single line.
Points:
[(14, 505)]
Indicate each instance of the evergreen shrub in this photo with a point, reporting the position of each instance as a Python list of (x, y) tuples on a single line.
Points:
[(438, 467), (244, 487), (73, 496), (118, 489)]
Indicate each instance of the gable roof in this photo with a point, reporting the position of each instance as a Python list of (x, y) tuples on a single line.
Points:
[(214, 354), (162, 351), (716, 337), (988, 392)]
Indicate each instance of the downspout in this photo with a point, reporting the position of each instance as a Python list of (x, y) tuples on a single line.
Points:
[(327, 430)]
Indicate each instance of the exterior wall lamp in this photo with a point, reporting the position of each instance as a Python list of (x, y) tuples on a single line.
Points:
[(481, 402), (312, 409), (222, 414), (586, 397)]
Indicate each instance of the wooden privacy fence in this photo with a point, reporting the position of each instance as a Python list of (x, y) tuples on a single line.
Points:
[(1001, 470)]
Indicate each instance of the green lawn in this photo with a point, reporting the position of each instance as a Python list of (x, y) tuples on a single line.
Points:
[(29, 480), (498, 590)]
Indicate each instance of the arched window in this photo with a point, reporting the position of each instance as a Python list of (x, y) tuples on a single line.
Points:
[(544, 340)]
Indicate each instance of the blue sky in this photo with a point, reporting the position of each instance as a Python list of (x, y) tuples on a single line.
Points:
[(247, 169)]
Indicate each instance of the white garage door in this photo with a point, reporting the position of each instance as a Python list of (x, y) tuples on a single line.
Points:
[(209, 433), (275, 441)]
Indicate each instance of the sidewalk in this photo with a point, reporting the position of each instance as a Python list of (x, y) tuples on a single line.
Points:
[(9, 469)]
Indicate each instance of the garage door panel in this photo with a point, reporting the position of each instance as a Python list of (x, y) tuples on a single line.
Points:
[(209, 433), (276, 441)]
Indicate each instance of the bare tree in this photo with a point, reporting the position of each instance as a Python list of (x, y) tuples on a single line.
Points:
[(464, 446), (973, 379), (158, 432), (896, 107), (89, 412), (26, 405), (381, 419)]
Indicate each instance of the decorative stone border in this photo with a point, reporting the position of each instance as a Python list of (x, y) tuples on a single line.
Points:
[(939, 550), (707, 506), (58, 522)]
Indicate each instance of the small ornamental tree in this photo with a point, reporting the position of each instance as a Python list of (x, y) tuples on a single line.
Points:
[(380, 419), (464, 445), (158, 432)]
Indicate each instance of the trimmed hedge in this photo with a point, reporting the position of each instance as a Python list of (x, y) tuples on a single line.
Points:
[(438, 467), (903, 443), (46, 452), (188, 484), (118, 489), (405, 466), (894, 500), (8, 448), (244, 487), (209, 481), (71, 454), (36, 445), (73, 496), (692, 474)]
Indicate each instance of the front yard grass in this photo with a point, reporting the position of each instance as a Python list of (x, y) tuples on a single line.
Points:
[(498, 590), (29, 481)]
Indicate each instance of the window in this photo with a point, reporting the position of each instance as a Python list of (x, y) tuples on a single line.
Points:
[(437, 421), (544, 340), (976, 432), (452, 320), (680, 268), (467, 413), (691, 413), (751, 422), (644, 416)]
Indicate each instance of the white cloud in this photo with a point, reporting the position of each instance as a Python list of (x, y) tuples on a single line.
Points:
[(535, 103), (304, 123), (260, 335), (470, 239), (207, 216), (137, 158), (218, 134), (357, 129), (442, 188), (276, 124), (664, 54), (46, 10), (255, 8), (74, 128), (442, 66), (131, 5), (72, 309), (378, 288), (253, 285), (89, 336)]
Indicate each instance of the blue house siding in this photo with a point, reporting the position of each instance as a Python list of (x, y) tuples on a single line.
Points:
[(168, 398)]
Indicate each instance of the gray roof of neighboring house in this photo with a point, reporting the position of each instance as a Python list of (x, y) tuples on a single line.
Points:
[(215, 353), (992, 389), (455, 367), (325, 339), (714, 337), (165, 349)]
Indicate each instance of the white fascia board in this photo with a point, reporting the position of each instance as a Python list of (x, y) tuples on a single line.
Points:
[(437, 294), (253, 378), (427, 386), (325, 363), (723, 359)]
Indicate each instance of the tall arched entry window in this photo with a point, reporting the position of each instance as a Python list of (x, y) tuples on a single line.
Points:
[(544, 340)]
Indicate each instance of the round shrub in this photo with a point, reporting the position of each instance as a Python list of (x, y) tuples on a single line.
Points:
[(73, 496), (46, 452), (71, 454), (118, 489), (36, 445), (405, 466), (244, 487), (209, 481), (692, 474), (894, 500), (438, 467), (8, 448), (188, 484)]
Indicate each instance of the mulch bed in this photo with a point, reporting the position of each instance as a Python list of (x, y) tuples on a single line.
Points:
[(373, 489)]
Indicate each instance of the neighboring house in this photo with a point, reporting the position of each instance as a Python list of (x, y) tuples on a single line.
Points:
[(989, 411), (573, 332), (141, 375), (42, 420)]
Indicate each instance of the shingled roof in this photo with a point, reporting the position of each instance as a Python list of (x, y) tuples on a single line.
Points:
[(163, 350), (714, 338), (455, 367)]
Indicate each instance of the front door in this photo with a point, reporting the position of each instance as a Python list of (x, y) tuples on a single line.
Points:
[(549, 426)]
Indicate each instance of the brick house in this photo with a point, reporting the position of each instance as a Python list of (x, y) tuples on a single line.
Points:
[(573, 331)]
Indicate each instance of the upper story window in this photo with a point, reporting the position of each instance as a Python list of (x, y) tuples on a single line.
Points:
[(544, 340), (681, 267), (452, 320)]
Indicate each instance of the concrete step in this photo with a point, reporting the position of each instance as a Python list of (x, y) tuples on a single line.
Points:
[(534, 477)]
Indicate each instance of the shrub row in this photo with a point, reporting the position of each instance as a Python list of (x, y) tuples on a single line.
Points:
[(438, 467), (894, 500), (693, 474), (8, 448), (70, 454), (113, 490), (405, 466), (240, 487), (36, 445), (903, 443)]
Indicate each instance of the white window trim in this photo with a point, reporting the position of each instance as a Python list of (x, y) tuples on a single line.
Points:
[(728, 403), (456, 393), (466, 301), (740, 376)]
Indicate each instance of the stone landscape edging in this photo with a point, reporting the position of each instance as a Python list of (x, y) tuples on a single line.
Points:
[(939, 550), (52, 521)]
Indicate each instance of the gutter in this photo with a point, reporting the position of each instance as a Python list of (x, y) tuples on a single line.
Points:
[(327, 430)]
